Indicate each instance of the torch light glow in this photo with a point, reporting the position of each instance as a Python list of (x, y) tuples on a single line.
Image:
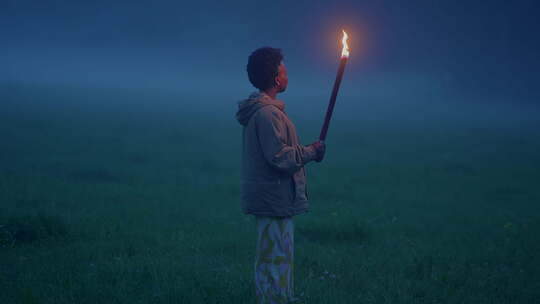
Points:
[(345, 49)]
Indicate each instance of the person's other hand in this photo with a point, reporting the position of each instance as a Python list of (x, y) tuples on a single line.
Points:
[(320, 148)]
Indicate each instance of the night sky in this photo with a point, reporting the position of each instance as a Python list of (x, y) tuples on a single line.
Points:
[(482, 50)]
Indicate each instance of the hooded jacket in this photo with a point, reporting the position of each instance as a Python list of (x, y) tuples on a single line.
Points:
[(273, 179)]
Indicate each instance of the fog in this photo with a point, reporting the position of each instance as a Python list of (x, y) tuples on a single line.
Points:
[(421, 65), (478, 51)]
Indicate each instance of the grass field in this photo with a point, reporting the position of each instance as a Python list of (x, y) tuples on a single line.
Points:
[(126, 196)]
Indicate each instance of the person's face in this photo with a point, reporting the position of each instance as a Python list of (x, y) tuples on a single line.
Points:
[(282, 80)]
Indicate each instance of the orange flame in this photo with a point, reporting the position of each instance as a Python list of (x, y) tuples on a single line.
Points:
[(345, 49)]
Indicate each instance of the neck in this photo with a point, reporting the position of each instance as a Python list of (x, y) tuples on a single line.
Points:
[(272, 92)]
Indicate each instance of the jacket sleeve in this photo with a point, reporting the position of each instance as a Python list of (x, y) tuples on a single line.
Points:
[(272, 133)]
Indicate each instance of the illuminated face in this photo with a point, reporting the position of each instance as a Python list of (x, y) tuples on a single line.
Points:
[(282, 80)]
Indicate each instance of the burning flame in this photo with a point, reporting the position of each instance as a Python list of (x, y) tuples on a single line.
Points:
[(345, 49)]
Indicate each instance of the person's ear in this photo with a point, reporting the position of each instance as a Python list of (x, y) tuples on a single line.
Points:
[(276, 81)]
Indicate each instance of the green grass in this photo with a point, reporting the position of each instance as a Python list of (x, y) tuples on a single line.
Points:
[(112, 196)]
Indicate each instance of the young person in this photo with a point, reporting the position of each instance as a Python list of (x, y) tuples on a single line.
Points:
[(273, 185)]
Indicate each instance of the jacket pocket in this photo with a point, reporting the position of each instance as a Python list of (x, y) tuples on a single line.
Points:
[(262, 191), (271, 196)]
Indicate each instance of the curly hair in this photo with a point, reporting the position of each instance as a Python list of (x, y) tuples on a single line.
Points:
[(263, 66)]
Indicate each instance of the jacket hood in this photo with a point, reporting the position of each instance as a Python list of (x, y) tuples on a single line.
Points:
[(255, 101)]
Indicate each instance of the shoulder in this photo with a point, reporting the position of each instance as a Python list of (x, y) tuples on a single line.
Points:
[(269, 113)]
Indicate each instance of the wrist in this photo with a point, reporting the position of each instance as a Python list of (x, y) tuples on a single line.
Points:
[(311, 153)]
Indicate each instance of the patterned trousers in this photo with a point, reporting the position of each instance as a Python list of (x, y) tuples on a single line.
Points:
[(274, 260)]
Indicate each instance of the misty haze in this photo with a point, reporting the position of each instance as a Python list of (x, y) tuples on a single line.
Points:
[(120, 158)]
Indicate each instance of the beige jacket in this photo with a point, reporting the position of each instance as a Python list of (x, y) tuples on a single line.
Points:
[(273, 175)]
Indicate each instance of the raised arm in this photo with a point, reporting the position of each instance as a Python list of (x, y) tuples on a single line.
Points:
[(271, 130)]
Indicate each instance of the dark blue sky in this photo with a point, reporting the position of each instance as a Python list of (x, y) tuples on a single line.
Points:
[(473, 48)]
